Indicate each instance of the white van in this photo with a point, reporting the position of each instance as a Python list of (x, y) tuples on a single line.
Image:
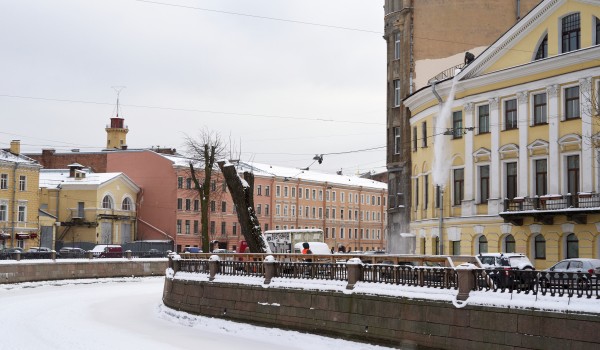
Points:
[(317, 248)]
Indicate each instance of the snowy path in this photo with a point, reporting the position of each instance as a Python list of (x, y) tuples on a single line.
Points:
[(129, 314)]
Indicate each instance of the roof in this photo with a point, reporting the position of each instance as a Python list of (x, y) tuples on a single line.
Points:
[(6, 156), (292, 174), (51, 178)]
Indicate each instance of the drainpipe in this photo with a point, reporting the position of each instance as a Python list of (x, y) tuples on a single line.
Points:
[(440, 190), (435, 92), (518, 10)]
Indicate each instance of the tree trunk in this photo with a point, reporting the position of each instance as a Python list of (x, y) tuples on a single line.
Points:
[(242, 193), (204, 193)]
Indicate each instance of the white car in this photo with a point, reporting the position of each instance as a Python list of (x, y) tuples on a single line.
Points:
[(515, 261)]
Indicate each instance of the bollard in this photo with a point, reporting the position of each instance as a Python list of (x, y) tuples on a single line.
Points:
[(53, 255), (270, 271), (128, 254), (16, 256), (466, 280), (213, 266), (354, 266), (89, 255)]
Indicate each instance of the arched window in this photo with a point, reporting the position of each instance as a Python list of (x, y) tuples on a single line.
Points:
[(509, 244), (539, 247), (572, 246), (107, 202), (483, 244), (126, 205), (542, 51)]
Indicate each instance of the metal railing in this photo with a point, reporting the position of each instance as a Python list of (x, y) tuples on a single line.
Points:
[(556, 202)]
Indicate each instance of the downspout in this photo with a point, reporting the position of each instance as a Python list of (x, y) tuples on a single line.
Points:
[(435, 92), (440, 190), (518, 10), (14, 205)]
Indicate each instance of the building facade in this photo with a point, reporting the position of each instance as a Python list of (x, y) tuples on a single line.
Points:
[(427, 40), (19, 200), (515, 146)]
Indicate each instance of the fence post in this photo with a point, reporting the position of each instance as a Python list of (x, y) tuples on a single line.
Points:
[(213, 266), (128, 254), (89, 254), (354, 266), (53, 255), (16, 256), (466, 280), (269, 265)]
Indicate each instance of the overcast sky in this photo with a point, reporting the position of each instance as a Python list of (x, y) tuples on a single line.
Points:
[(282, 90)]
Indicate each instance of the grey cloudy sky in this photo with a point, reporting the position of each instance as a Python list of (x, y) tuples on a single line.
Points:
[(284, 91)]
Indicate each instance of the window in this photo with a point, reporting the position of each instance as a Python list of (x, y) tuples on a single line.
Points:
[(424, 134), (542, 51), (234, 229), (397, 99), (484, 184), (267, 191), (22, 183), (259, 190), (3, 210), (188, 183), (293, 192), (572, 246), (573, 174), (187, 227), (307, 194), (179, 203), (333, 196), (397, 140), (425, 191), (397, 46), (510, 114), (483, 244), (126, 204), (213, 227), (107, 202), (414, 138), (341, 233), (416, 193), (455, 247), (511, 180), (223, 228), (285, 210), (213, 186), (314, 195), (196, 204), (540, 247), (597, 31), (539, 109), (572, 102), (213, 206), (459, 187), (541, 177), (277, 209), (483, 114), (320, 213), (320, 195), (570, 33), (223, 207), (195, 227), (266, 209), (22, 212), (3, 181), (293, 210), (258, 209), (285, 191), (180, 182), (509, 244), (277, 191), (188, 204), (457, 130), (178, 226)]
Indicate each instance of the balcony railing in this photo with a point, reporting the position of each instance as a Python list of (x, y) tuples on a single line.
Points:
[(448, 73), (553, 202)]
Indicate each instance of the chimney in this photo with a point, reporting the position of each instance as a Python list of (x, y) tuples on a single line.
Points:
[(74, 169), (15, 147)]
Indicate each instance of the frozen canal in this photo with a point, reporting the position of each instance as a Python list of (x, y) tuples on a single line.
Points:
[(129, 314)]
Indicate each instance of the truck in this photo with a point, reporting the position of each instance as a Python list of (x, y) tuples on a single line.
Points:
[(284, 241)]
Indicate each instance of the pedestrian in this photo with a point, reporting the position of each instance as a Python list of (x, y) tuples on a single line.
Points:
[(306, 248)]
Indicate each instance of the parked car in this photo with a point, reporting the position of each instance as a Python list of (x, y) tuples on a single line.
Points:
[(72, 252), (569, 271), (39, 253), (153, 253), (39, 250), (515, 261), (192, 250), (508, 269), (107, 251), (223, 251)]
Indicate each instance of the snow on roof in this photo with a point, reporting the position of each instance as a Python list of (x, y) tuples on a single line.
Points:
[(182, 161), (308, 175), (51, 178), (12, 158)]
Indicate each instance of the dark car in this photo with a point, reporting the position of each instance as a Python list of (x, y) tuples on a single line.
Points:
[(153, 253), (72, 252)]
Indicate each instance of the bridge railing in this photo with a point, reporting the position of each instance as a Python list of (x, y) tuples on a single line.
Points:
[(581, 285)]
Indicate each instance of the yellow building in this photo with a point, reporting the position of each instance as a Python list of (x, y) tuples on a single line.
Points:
[(19, 177), (93, 208), (512, 141)]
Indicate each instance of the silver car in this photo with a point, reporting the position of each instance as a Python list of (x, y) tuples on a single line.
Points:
[(566, 272)]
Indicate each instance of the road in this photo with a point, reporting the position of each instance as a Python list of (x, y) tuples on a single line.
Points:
[(129, 314)]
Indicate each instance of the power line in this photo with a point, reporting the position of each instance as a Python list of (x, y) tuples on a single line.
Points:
[(259, 17)]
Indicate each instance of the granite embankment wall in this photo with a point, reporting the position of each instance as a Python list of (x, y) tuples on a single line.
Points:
[(45, 270), (406, 323)]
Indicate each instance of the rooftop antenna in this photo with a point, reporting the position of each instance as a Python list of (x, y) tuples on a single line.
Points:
[(118, 91)]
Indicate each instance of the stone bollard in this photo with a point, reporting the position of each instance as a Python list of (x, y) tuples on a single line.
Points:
[(466, 280), (16, 256), (53, 255), (89, 254), (128, 254), (354, 267), (270, 271), (213, 266)]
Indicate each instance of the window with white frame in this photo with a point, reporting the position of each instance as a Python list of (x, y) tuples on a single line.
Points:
[(126, 204), (333, 196), (397, 96), (277, 209), (571, 102), (540, 109), (542, 51), (571, 33), (541, 176), (293, 210), (107, 202), (511, 180), (3, 181), (483, 118), (424, 134), (22, 211), (510, 114), (267, 191), (459, 186), (484, 183), (285, 191), (397, 45), (3, 210), (277, 191), (573, 174), (293, 192), (457, 125), (22, 183)]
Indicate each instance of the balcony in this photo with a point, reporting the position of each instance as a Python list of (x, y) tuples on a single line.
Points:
[(543, 209)]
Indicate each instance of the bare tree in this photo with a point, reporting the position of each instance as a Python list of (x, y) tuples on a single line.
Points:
[(203, 152), (242, 193)]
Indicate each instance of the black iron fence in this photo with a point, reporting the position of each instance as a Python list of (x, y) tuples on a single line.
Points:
[(553, 202)]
